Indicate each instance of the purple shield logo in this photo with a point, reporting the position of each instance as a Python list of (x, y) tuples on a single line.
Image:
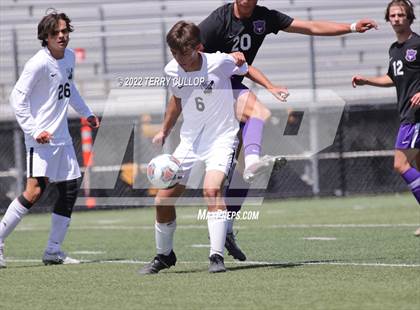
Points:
[(259, 26), (411, 55)]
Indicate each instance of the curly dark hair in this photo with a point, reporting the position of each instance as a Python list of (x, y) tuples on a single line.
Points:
[(48, 24)]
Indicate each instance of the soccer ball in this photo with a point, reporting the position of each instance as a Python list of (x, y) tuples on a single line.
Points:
[(162, 171)]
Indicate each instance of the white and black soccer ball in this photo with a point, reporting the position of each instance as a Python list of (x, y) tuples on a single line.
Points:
[(162, 171)]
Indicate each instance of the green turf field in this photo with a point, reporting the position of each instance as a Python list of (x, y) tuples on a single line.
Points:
[(354, 253)]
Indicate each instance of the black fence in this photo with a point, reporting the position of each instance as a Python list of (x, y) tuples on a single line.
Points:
[(360, 160)]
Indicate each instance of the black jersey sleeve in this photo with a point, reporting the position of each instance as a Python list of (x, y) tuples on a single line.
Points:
[(211, 31), (390, 72), (278, 21)]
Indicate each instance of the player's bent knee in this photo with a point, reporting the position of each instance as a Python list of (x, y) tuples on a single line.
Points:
[(242, 114), (242, 117), (67, 195), (261, 111), (258, 111), (401, 165), (250, 106), (211, 192), (34, 192), (33, 195), (265, 113)]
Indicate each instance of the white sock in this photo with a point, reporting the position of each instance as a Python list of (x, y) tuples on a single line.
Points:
[(59, 226), (251, 159), (164, 237), (14, 214), (217, 224), (229, 229)]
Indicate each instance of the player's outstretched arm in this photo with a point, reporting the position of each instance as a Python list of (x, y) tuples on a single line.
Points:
[(327, 28), (173, 110), (255, 75), (380, 81)]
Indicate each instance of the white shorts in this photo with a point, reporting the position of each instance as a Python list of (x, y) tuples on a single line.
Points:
[(58, 163), (218, 157)]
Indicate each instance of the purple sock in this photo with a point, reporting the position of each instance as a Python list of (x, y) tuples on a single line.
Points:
[(412, 178), (252, 136)]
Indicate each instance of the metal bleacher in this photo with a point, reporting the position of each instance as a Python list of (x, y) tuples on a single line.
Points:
[(126, 38)]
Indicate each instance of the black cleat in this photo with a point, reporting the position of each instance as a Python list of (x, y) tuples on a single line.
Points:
[(58, 258), (158, 263), (279, 163), (232, 247), (216, 264)]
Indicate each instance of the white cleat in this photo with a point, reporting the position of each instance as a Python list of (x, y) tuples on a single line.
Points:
[(417, 233), (263, 166), (70, 261), (59, 258)]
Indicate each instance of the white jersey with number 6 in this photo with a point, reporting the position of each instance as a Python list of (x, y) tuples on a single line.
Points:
[(207, 100), (42, 94)]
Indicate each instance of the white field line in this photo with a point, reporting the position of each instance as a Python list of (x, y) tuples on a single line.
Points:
[(248, 263), (108, 227), (280, 226), (109, 222), (344, 225), (200, 245), (87, 252)]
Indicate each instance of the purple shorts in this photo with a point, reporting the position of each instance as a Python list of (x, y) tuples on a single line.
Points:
[(238, 88), (408, 137)]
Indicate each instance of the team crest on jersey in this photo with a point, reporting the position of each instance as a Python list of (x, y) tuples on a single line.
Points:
[(207, 87), (259, 26), (411, 55), (69, 72)]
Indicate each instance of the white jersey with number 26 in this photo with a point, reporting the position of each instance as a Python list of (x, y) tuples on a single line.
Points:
[(42, 94)]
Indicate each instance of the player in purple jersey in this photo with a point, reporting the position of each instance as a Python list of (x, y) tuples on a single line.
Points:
[(242, 26), (404, 74)]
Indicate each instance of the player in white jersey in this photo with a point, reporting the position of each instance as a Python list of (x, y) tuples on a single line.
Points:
[(40, 100), (208, 134), (208, 125)]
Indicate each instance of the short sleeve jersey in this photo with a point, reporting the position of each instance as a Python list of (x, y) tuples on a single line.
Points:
[(222, 31), (207, 106), (404, 70)]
